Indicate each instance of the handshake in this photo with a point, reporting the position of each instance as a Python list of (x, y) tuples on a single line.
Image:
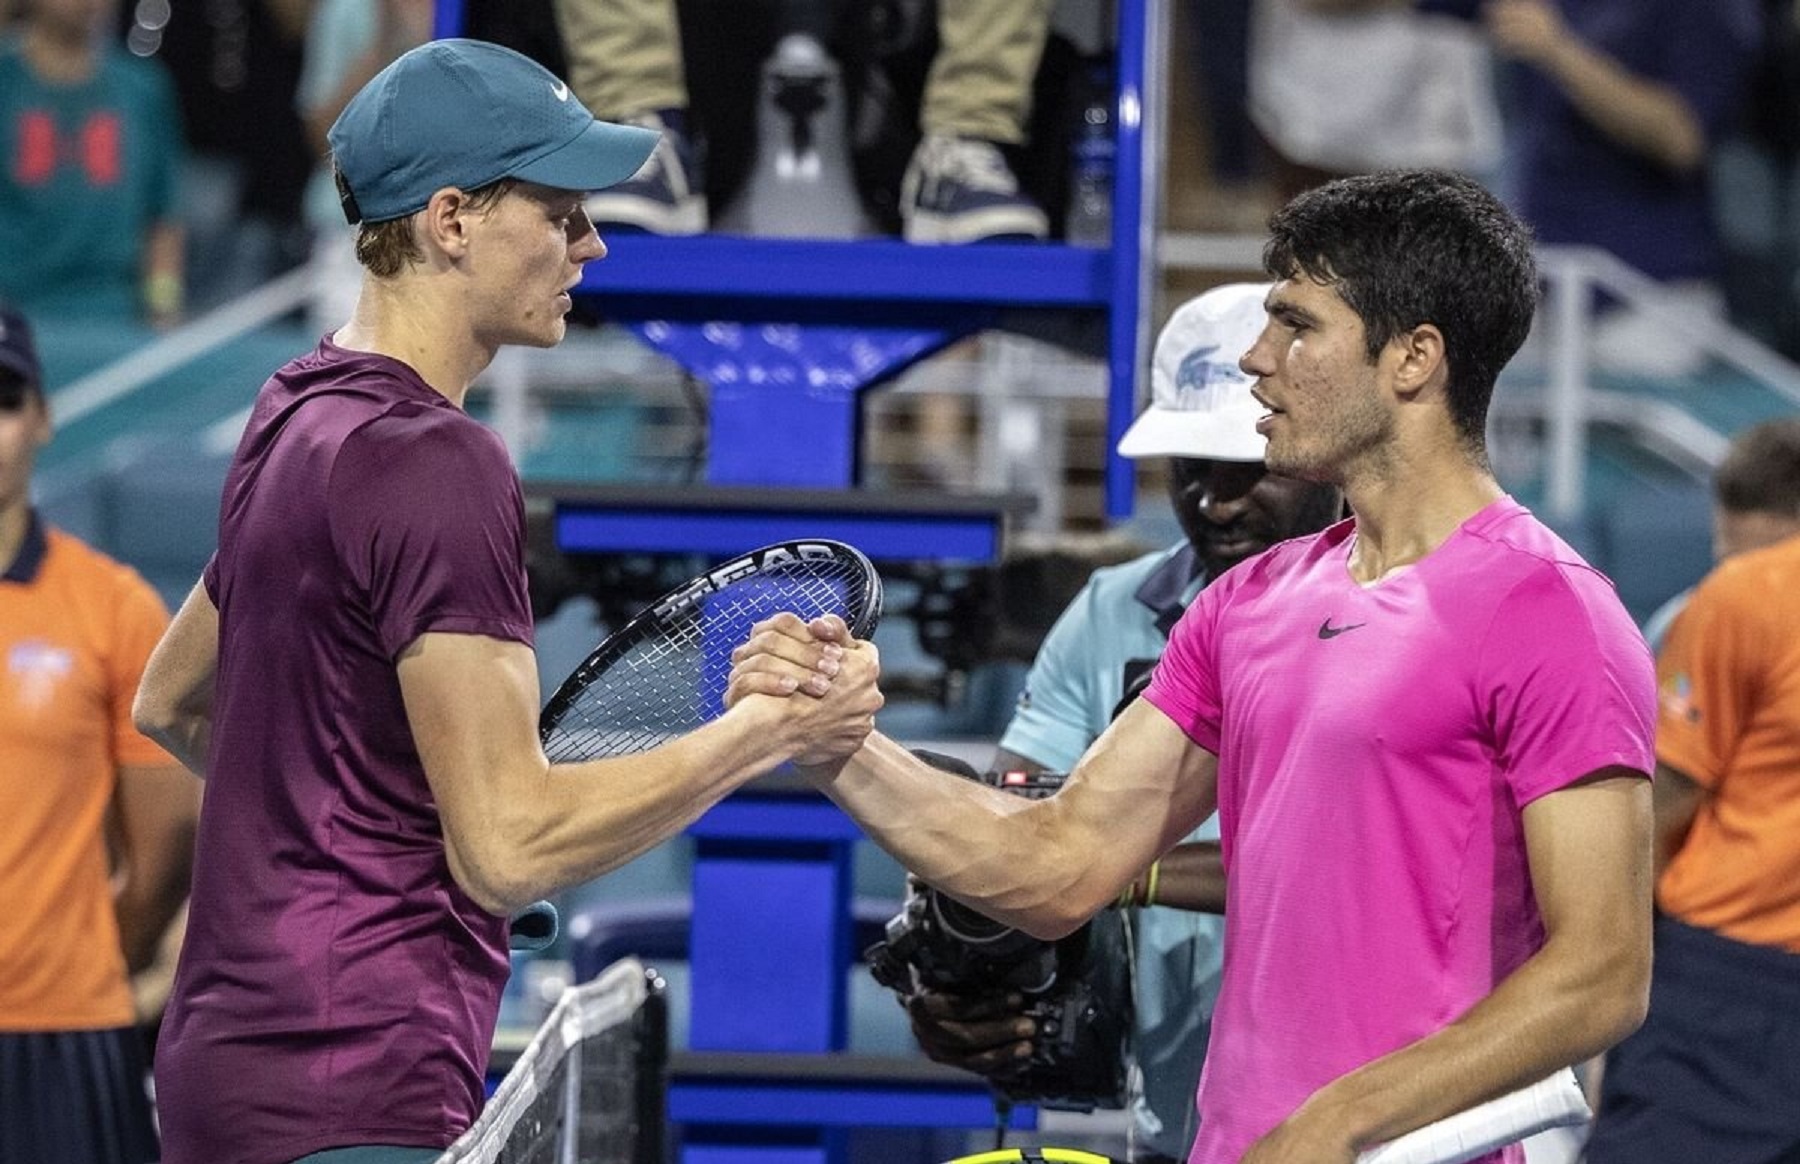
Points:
[(1045, 1021), (785, 657)]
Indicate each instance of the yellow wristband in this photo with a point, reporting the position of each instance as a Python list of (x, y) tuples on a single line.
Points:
[(163, 294), (1150, 883)]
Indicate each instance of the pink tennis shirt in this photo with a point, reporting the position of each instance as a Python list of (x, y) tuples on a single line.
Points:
[(1376, 747)]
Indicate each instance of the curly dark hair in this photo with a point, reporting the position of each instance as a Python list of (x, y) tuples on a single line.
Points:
[(1761, 472), (1409, 247)]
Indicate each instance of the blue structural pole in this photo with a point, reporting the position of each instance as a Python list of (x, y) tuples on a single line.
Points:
[(1138, 99)]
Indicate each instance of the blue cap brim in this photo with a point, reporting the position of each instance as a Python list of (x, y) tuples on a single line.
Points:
[(599, 156)]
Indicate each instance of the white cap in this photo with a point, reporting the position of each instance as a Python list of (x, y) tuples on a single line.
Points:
[(1200, 402)]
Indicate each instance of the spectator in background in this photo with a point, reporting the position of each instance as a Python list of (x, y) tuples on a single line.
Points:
[(1713, 1073), (235, 64), (76, 628), (89, 225), (625, 64), (347, 43), (1218, 56), (1752, 507), (1755, 181), (1617, 108), (1341, 87)]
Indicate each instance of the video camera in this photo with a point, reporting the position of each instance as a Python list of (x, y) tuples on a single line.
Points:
[(1076, 990)]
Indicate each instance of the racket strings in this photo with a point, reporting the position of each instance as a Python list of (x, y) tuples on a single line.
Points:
[(671, 680)]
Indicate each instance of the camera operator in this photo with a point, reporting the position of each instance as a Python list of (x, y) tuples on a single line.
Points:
[(1202, 418)]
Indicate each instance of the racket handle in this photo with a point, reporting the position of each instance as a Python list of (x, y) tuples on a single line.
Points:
[(1549, 1103)]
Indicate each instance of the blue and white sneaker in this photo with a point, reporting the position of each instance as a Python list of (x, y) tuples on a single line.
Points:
[(959, 190), (663, 197)]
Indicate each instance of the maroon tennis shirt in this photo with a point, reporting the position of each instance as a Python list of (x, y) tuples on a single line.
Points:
[(336, 986)]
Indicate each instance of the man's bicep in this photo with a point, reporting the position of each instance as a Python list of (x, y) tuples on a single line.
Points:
[(471, 702), (174, 700), (182, 664), (1197, 781), (1145, 770), (1589, 850)]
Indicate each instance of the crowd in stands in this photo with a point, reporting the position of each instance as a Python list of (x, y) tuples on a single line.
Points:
[(166, 158)]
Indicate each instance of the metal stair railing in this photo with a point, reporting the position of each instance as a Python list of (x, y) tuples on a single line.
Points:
[(188, 342)]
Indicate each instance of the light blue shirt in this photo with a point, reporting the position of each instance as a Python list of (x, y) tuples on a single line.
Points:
[(1118, 622), (338, 33)]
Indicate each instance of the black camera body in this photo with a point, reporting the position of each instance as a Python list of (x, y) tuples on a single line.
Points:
[(1077, 990)]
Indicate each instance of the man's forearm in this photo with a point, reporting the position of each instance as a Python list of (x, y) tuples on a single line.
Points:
[(174, 701), (1551, 1013), (1043, 866), (1587, 987), (1645, 117), (1190, 876), (964, 838), (144, 914), (518, 828)]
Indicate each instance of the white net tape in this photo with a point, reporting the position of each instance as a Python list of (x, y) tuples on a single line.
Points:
[(575, 1093)]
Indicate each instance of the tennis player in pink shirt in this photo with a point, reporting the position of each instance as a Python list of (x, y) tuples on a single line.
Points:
[(1426, 730)]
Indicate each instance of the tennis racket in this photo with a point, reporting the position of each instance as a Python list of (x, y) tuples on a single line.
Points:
[(664, 672), (1549, 1103)]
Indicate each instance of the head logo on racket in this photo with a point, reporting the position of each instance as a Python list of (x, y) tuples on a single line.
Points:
[(756, 562), (664, 672)]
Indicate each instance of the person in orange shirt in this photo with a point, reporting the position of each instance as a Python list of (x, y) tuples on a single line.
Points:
[(96, 822), (1714, 1072)]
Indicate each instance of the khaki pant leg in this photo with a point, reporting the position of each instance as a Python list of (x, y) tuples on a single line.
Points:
[(624, 55), (980, 82)]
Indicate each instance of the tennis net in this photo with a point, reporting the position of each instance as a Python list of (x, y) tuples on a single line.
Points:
[(589, 1086)]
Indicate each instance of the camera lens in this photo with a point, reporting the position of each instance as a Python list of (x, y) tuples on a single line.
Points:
[(994, 939)]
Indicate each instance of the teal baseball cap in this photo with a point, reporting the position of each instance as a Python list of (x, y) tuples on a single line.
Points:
[(467, 113)]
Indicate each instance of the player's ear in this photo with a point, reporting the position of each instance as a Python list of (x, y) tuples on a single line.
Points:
[(444, 223), (1418, 358)]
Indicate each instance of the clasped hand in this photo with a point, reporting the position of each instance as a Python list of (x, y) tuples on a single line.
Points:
[(835, 673)]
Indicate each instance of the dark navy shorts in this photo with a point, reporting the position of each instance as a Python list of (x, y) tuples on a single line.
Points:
[(75, 1097), (1713, 1076)]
